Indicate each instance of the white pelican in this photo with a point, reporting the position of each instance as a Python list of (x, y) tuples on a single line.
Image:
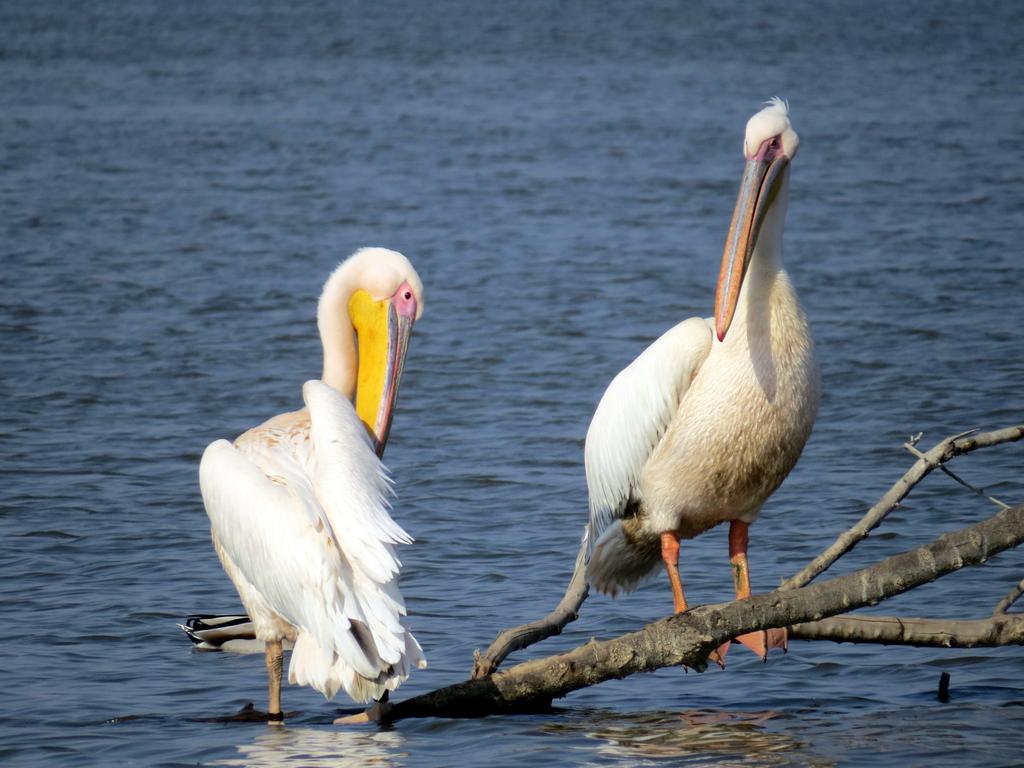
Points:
[(707, 422), (298, 506)]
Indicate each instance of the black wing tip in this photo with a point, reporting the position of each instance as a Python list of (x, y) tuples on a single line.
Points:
[(211, 630)]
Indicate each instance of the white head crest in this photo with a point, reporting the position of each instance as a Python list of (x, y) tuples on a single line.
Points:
[(770, 122), (378, 271)]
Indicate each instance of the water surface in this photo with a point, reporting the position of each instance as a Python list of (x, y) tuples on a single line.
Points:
[(176, 182)]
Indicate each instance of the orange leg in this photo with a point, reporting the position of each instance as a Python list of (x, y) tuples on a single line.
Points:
[(670, 556), (738, 538), (759, 642)]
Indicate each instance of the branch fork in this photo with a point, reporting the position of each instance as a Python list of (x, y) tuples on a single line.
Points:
[(811, 612)]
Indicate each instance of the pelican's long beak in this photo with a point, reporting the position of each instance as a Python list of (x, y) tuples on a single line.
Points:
[(383, 328), (757, 191)]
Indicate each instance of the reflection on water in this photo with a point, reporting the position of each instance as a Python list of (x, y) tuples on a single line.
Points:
[(339, 748), (692, 737)]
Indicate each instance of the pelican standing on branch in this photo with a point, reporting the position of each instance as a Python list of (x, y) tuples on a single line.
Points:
[(299, 506), (707, 422)]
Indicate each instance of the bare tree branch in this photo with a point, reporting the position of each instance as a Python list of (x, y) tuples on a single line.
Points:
[(1009, 600), (576, 593), (896, 630), (941, 453), (688, 638), (526, 635)]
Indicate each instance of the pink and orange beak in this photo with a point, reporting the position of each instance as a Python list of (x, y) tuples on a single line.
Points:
[(383, 328), (758, 188)]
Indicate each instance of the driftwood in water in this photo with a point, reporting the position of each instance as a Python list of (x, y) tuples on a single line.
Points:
[(567, 611), (687, 639)]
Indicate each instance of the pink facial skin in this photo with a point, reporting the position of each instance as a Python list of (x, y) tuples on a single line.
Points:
[(769, 150), (404, 301)]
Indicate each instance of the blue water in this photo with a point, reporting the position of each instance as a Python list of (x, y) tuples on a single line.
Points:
[(176, 182)]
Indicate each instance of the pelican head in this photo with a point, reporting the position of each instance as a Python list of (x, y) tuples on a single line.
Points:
[(768, 146), (382, 297)]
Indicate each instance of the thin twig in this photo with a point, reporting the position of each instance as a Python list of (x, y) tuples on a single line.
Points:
[(1010, 599), (980, 491), (941, 453), (525, 635)]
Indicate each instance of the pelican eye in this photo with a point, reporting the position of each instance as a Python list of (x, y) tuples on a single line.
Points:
[(407, 295)]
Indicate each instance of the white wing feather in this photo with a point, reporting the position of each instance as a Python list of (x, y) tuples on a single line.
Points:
[(633, 415), (351, 483), (306, 524), (264, 528), (352, 488)]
